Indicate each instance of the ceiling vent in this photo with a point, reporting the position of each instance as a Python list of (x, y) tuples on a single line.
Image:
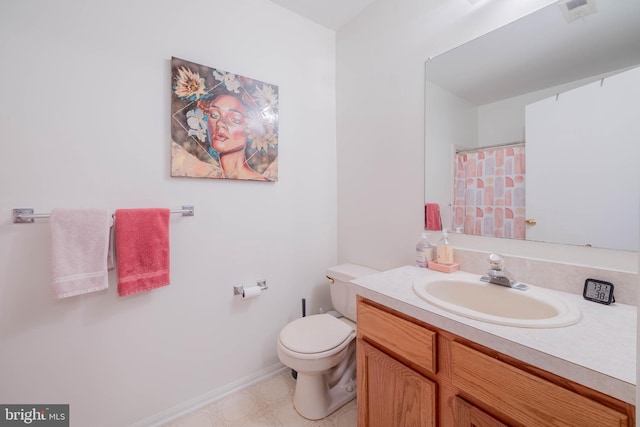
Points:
[(577, 9)]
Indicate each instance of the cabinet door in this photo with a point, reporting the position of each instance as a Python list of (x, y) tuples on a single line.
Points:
[(523, 397), (391, 394), (467, 415)]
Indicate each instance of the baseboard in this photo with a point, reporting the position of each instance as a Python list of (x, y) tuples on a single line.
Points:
[(191, 405)]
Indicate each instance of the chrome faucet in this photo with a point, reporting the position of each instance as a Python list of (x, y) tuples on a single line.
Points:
[(499, 276)]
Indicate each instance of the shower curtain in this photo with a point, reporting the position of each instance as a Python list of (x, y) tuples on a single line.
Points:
[(489, 191)]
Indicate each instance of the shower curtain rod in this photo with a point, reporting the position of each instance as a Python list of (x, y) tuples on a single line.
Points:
[(489, 147)]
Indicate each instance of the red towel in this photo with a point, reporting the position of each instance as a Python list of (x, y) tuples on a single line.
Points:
[(142, 249), (432, 217)]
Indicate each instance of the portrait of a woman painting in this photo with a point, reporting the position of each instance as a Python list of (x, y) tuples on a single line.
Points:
[(223, 125)]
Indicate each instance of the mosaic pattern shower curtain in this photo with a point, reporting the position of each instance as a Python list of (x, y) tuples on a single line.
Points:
[(490, 193)]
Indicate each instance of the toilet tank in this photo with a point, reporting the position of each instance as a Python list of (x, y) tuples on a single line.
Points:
[(342, 298)]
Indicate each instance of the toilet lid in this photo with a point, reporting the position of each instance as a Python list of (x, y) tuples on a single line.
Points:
[(314, 334)]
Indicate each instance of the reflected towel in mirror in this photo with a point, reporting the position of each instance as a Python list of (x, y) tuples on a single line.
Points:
[(432, 219)]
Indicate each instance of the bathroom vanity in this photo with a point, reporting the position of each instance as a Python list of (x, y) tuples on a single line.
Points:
[(419, 365)]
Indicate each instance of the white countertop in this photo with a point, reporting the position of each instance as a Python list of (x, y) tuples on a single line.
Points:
[(598, 352)]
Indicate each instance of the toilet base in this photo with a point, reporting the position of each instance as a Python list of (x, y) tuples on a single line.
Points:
[(318, 395)]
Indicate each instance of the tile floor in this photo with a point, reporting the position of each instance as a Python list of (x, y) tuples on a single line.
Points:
[(268, 403)]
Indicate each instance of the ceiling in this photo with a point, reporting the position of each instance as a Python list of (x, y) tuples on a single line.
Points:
[(332, 14), (614, 24), (541, 50)]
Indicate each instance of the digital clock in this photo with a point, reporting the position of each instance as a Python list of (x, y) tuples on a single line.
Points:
[(598, 291)]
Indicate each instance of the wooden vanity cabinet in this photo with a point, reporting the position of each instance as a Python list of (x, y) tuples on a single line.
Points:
[(413, 374), (467, 415)]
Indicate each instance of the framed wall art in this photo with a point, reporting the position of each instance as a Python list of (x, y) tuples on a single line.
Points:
[(223, 125)]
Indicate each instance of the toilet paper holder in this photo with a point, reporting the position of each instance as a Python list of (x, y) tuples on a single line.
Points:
[(239, 289)]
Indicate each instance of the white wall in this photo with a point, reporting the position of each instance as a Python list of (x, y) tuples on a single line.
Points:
[(453, 123), (380, 70), (380, 95), (84, 114)]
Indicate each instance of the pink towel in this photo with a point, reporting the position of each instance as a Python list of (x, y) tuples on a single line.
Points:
[(142, 249), (79, 246), (432, 217)]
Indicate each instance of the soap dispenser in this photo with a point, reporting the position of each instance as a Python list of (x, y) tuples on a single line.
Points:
[(425, 251), (444, 251)]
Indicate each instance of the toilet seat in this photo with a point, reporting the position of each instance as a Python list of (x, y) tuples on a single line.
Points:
[(315, 336)]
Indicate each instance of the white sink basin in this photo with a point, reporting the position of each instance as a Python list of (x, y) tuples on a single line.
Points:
[(487, 302)]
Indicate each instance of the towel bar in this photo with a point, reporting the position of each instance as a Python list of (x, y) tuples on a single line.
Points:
[(26, 215)]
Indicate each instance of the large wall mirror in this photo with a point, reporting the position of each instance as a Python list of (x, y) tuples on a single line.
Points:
[(533, 130)]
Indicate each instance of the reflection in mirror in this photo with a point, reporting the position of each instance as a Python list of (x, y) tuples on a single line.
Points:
[(568, 91)]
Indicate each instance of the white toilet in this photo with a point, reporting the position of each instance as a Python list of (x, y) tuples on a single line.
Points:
[(322, 349)]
